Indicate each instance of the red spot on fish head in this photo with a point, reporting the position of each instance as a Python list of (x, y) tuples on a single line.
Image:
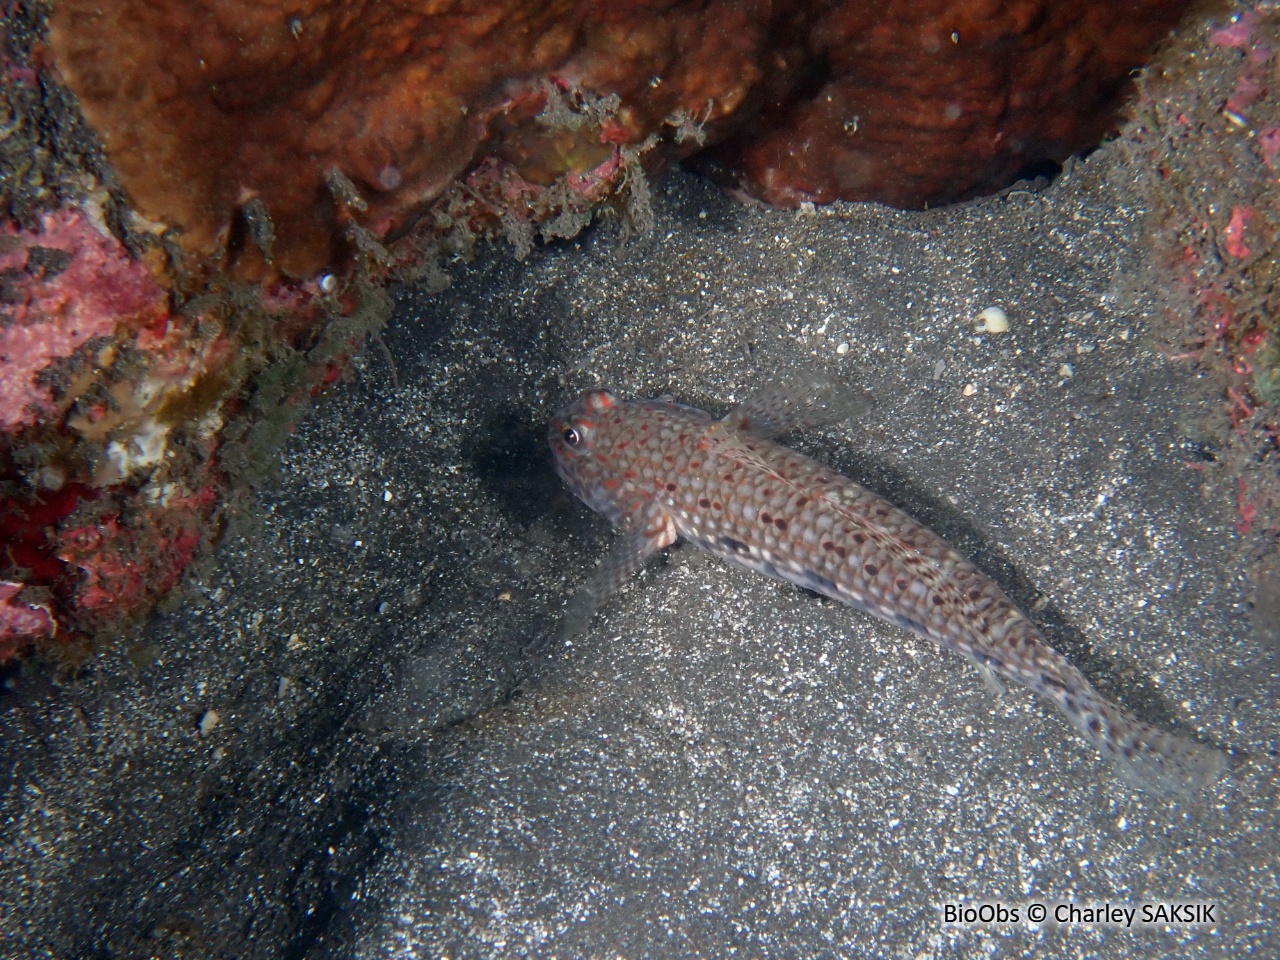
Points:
[(599, 401)]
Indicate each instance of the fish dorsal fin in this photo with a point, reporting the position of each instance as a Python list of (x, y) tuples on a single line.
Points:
[(780, 408)]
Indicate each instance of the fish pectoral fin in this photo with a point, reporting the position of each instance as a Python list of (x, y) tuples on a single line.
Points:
[(785, 407), (990, 680), (653, 532)]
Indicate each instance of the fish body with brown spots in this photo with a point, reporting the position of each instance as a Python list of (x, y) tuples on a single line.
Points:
[(662, 471)]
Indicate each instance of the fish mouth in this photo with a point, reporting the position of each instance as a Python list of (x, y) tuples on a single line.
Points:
[(563, 473)]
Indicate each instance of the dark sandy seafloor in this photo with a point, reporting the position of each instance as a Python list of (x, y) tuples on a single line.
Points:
[(398, 758)]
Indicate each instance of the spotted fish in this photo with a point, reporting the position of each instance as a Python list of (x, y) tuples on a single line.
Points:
[(661, 471)]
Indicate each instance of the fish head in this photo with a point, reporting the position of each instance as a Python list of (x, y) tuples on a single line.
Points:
[(581, 434)]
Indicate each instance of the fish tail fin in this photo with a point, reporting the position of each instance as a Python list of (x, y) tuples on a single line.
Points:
[(1145, 756)]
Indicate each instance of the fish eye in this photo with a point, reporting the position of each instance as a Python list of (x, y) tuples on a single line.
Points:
[(571, 436)]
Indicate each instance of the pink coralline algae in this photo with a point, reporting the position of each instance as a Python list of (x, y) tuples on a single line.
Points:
[(1238, 34), (110, 403), (1233, 234), (122, 567), (1269, 146), (21, 622), (73, 282)]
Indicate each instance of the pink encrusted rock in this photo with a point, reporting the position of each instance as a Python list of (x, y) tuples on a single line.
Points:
[(21, 622), (1269, 146), (123, 565), (1238, 34), (1233, 234), (56, 313)]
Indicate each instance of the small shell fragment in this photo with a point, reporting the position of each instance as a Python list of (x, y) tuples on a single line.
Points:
[(993, 320), (970, 389), (208, 722), (842, 349)]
